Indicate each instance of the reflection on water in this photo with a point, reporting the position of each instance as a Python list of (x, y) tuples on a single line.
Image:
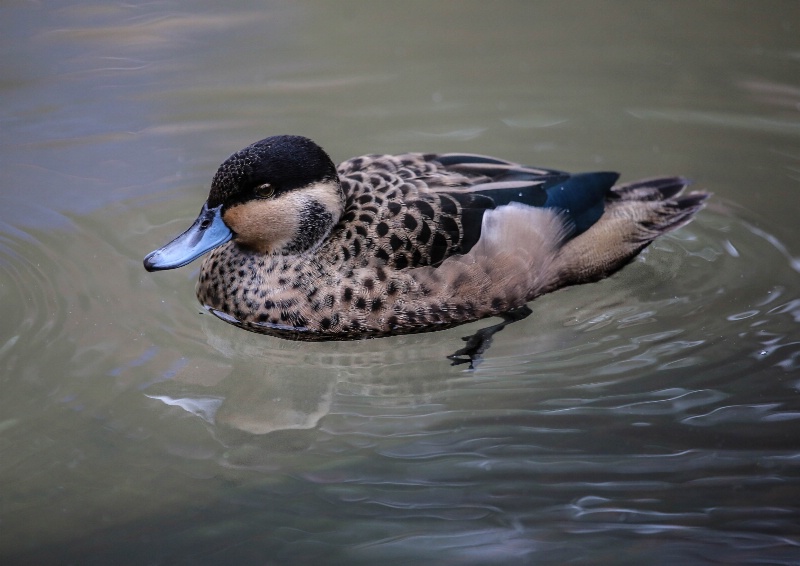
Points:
[(646, 419), (617, 416)]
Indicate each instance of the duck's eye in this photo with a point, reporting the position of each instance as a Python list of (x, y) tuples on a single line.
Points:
[(265, 191)]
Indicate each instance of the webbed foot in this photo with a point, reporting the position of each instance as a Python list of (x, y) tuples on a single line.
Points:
[(478, 343)]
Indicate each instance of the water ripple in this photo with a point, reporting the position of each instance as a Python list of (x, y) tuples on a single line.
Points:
[(734, 414), (34, 306)]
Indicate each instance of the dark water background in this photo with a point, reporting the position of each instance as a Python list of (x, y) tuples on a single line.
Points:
[(652, 418)]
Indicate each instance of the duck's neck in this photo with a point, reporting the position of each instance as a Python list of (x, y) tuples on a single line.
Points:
[(315, 223), (319, 209)]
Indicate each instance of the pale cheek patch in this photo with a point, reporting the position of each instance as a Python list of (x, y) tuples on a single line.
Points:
[(264, 225), (272, 225)]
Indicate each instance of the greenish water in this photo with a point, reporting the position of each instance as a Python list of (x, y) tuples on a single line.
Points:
[(651, 418)]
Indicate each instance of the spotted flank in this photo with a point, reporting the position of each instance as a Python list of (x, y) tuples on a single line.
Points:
[(391, 244)]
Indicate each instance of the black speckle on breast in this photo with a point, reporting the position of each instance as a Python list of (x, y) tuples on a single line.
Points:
[(425, 208), (424, 234), (438, 249), (449, 206), (449, 225), (395, 242), (410, 222)]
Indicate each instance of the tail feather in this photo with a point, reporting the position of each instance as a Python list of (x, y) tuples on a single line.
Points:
[(676, 212), (656, 188), (636, 214)]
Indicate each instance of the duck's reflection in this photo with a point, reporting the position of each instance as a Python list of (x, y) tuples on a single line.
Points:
[(273, 385)]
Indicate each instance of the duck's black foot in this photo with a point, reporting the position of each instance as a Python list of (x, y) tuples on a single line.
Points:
[(479, 342)]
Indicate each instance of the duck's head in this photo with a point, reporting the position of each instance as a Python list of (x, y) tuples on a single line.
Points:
[(280, 195)]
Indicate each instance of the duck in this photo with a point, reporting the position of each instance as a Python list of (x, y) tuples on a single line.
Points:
[(380, 245)]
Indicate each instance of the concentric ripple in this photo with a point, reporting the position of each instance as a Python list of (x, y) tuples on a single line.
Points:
[(33, 305)]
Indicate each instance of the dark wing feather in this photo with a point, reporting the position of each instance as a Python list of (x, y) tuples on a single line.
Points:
[(581, 197), (485, 165)]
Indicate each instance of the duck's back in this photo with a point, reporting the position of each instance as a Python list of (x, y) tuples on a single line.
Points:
[(417, 209)]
